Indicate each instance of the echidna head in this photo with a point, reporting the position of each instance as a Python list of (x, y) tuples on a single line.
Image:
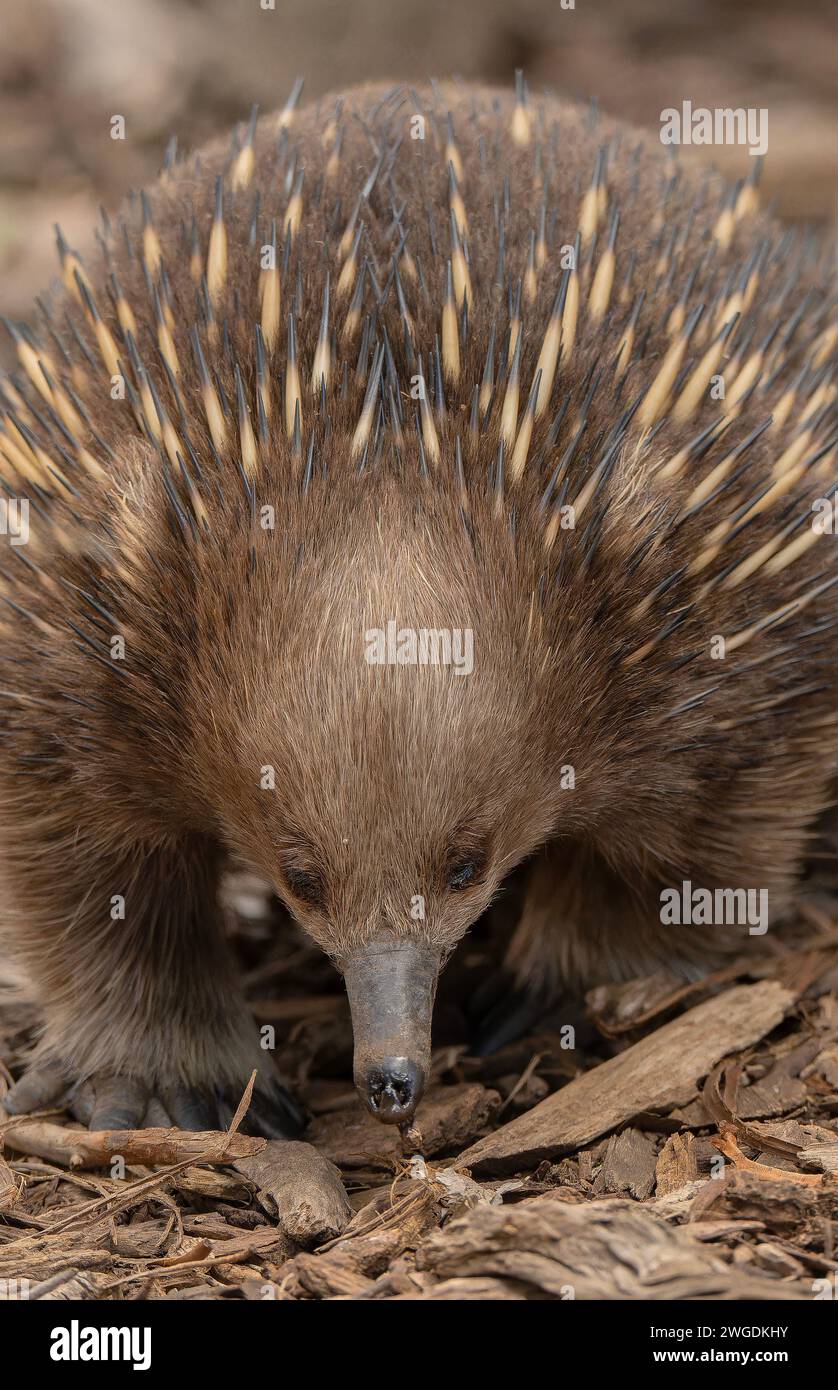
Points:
[(392, 764)]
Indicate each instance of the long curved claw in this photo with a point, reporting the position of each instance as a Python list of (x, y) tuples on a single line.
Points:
[(191, 1109), (273, 1113), (119, 1102), (276, 1114), (107, 1101), (37, 1089)]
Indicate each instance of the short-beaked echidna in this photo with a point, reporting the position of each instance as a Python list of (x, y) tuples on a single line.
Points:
[(397, 377)]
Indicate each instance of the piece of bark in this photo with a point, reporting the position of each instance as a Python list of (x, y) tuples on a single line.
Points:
[(778, 1261), (775, 1094), (211, 1185), (628, 1165), (140, 1240), (448, 1118), (521, 1094), (770, 1160), (468, 1290), (611, 1249), (355, 1262), (300, 1189), (677, 1164), (783, 1207), (401, 1278), (723, 1230), (695, 1115), (208, 1225), (89, 1148), (266, 1243), (826, 1065), (325, 1276), (23, 1260), (72, 1286), (656, 1073), (780, 1089), (9, 1187), (820, 1158), (781, 1138)]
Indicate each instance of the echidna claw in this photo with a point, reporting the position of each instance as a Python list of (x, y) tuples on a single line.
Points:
[(39, 1088)]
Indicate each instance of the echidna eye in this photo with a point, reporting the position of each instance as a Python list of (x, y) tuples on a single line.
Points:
[(304, 885), (462, 877)]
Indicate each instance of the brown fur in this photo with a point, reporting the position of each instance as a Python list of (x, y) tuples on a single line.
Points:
[(244, 647)]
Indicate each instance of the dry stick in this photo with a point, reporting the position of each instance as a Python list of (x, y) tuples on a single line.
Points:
[(160, 1272), (149, 1147), (110, 1204), (217, 1257), (242, 1108), (383, 1220), (729, 1147), (380, 1221), (96, 1148), (51, 1170), (12, 1121), (522, 1079)]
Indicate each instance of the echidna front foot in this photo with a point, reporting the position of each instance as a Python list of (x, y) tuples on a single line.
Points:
[(144, 1023), (103, 1101), (107, 1101)]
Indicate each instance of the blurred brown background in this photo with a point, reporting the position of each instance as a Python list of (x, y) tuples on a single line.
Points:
[(192, 67)]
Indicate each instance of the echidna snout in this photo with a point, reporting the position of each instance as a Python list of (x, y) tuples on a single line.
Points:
[(391, 987)]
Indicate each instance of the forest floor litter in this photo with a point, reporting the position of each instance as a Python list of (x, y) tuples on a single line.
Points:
[(652, 1140)]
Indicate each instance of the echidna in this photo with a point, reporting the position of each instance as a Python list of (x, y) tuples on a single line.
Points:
[(402, 371)]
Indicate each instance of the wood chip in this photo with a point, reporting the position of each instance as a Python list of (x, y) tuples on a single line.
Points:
[(9, 1187), (782, 1206), (777, 1260), (629, 1165), (598, 1250), (677, 1164), (301, 1189), (459, 1290), (448, 1117), (823, 1158), (656, 1073), (826, 1065)]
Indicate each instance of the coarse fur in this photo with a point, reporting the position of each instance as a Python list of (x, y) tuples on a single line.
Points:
[(419, 470)]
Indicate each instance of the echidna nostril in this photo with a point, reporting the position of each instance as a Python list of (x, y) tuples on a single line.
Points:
[(394, 1088)]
